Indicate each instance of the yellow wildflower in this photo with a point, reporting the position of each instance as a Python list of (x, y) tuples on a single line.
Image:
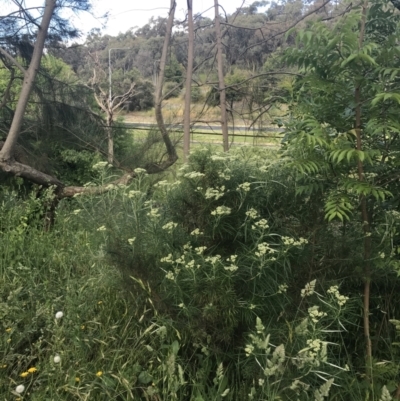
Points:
[(77, 379), (8, 330), (24, 374), (32, 370), (99, 373)]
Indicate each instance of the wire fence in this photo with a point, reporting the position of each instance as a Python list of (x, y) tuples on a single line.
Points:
[(249, 133)]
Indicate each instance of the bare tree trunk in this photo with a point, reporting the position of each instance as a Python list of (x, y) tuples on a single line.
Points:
[(6, 153), (221, 81), (172, 156), (110, 137), (188, 92)]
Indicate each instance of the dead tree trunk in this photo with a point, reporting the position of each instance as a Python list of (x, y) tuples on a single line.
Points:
[(221, 80), (188, 92), (110, 138), (172, 156)]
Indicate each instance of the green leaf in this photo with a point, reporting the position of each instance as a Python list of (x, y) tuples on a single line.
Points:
[(145, 377)]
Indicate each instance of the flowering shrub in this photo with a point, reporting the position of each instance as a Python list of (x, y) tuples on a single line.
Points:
[(224, 264)]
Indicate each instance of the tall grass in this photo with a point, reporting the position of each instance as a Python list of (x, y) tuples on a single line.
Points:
[(219, 285)]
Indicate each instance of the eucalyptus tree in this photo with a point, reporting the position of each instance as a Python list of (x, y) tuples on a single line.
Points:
[(172, 156), (189, 74), (23, 20), (42, 27), (221, 79)]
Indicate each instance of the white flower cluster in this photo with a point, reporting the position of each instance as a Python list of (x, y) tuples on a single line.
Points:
[(170, 276), (232, 267), (308, 289), (134, 194), (167, 259), (215, 193), (249, 349), (341, 299), (131, 240), (316, 351), (261, 224), (213, 259), (232, 258), (315, 314), (102, 228), (180, 260), (154, 213), (221, 210), (162, 184), (396, 323), (100, 166), (187, 247), (140, 171), (199, 250), (264, 248), (244, 187), (252, 213), (169, 226), (282, 288), (291, 241), (196, 232), (194, 174), (394, 213)]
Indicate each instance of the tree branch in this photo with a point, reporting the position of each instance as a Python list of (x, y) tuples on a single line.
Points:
[(13, 60)]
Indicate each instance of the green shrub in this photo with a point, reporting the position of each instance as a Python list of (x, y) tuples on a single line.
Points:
[(171, 89), (221, 247)]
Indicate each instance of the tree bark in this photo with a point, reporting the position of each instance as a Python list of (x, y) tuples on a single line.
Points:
[(188, 92), (110, 138), (6, 153), (221, 80), (172, 156)]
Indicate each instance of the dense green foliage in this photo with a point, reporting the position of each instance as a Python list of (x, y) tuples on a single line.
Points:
[(250, 275), (241, 290)]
